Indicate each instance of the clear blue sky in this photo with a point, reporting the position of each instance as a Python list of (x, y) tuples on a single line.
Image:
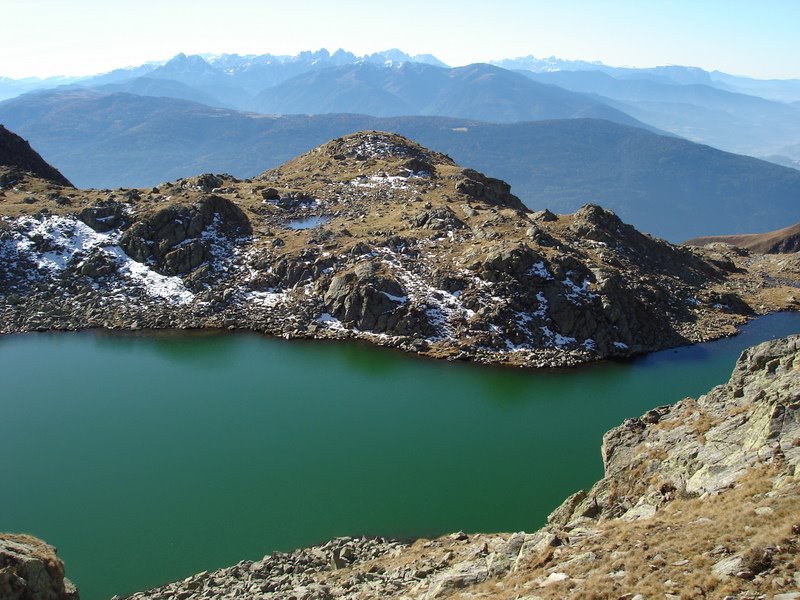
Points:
[(75, 37)]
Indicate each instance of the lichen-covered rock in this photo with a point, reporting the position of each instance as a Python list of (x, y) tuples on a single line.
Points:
[(173, 238), (30, 570), (701, 446), (367, 298), (104, 216), (493, 191)]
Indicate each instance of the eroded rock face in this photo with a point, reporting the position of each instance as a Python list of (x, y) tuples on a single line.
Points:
[(371, 299), (493, 191), (30, 570), (173, 238), (701, 446), (104, 216)]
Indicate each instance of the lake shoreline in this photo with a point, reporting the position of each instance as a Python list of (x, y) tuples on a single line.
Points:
[(395, 346), (261, 443)]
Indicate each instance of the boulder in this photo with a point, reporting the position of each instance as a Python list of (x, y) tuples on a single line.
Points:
[(488, 189), (31, 570), (367, 298), (508, 263), (103, 216), (206, 182), (172, 238), (438, 219)]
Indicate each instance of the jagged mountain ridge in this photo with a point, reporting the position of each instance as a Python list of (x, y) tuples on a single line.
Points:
[(480, 92), (662, 185), (369, 236), (246, 75), (748, 116)]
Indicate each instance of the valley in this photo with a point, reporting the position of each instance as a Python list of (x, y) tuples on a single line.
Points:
[(312, 325)]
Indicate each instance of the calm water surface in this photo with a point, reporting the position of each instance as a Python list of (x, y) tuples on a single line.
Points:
[(147, 458)]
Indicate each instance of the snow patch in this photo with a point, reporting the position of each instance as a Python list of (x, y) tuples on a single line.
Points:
[(52, 243), (267, 299), (398, 299), (540, 270), (578, 294), (556, 338)]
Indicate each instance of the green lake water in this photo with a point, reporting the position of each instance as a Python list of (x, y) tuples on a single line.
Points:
[(147, 458)]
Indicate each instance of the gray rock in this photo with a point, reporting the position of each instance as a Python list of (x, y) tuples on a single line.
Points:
[(371, 299), (104, 216), (492, 191), (171, 238), (31, 570)]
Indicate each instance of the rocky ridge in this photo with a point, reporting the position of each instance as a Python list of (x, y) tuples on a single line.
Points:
[(786, 240), (370, 236), (17, 157), (699, 500)]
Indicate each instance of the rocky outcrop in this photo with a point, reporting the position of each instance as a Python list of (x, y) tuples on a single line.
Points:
[(178, 239), (366, 298), (371, 236), (30, 570), (699, 499), (17, 157), (495, 192), (701, 446), (104, 216)]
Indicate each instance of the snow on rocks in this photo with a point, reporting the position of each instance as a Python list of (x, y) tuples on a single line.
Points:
[(54, 243)]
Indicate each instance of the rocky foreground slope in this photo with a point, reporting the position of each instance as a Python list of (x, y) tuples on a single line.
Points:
[(30, 570), (699, 500), (369, 236)]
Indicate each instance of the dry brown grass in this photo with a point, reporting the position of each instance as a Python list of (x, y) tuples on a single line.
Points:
[(36, 548), (673, 552)]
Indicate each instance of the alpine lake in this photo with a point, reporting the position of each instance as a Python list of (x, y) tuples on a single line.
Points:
[(146, 458)]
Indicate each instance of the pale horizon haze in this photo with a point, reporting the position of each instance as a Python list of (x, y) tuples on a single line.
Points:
[(82, 37)]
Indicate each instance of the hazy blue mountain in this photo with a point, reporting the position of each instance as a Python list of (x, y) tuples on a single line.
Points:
[(481, 92), (784, 160), (665, 185), (10, 88), (671, 74), (227, 79), (702, 113), (163, 88), (782, 90)]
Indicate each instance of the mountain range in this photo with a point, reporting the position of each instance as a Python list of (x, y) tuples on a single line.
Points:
[(700, 112), (481, 92), (739, 114), (664, 185)]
